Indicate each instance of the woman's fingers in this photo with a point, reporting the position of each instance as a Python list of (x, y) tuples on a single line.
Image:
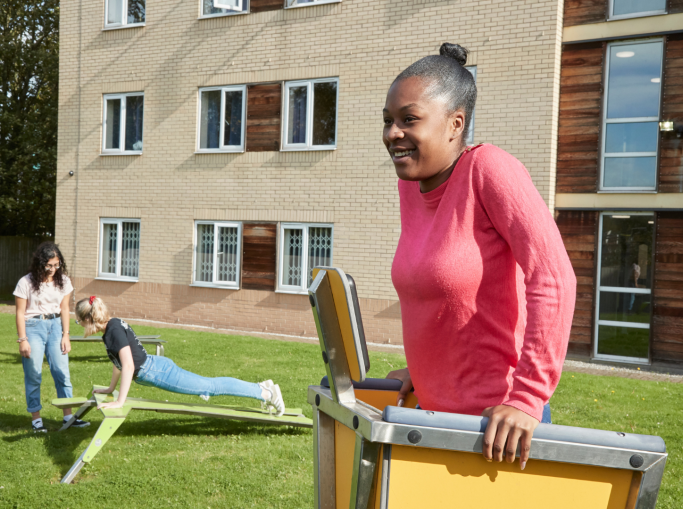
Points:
[(511, 444), (507, 428), (489, 435), (525, 448), (404, 376)]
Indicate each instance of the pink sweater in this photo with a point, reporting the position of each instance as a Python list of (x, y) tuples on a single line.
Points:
[(486, 288)]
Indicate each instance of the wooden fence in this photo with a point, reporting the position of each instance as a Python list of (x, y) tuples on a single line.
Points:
[(15, 257)]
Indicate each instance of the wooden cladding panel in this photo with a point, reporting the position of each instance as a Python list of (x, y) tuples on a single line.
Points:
[(667, 320), (578, 230), (578, 148), (581, 12), (259, 256), (263, 117), (671, 146), (265, 5)]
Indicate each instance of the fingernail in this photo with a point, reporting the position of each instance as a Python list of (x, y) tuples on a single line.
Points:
[(522, 464), (401, 402), (488, 459)]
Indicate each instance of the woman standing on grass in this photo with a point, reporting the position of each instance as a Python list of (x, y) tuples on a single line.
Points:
[(486, 287), (42, 300), (133, 363)]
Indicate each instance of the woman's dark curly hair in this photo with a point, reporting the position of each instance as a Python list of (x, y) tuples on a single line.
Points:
[(41, 256)]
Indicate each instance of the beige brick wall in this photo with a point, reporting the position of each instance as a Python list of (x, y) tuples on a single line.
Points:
[(515, 45)]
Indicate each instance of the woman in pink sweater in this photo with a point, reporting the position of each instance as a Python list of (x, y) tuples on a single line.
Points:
[(486, 287)]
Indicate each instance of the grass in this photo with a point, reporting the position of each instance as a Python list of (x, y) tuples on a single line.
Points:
[(165, 460)]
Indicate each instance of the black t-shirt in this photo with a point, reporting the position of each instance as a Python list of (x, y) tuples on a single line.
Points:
[(118, 335)]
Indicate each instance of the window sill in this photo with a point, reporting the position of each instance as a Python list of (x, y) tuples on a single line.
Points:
[(119, 279), (307, 149), (241, 151), (627, 191), (121, 154), (313, 4), (292, 292), (223, 15), (123, 27), (219, 287), (624, 360)]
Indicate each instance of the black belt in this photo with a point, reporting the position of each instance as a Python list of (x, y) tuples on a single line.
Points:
[(48, 317)]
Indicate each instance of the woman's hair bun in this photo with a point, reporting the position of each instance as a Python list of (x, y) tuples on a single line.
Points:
[(454, 51)]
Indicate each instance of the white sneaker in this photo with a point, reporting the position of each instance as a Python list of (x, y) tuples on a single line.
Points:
[(204, 397), (267, 385), (275, 401)]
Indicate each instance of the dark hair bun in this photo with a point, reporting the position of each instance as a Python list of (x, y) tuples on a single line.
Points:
[(454, 51)]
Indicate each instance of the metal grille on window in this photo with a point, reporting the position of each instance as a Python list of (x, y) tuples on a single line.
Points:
[(204, 263), (130, 249), (292, 259), (109, 248), (226, 257), (319, 249)]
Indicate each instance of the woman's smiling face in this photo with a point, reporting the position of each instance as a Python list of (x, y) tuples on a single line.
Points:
[(422, 138)]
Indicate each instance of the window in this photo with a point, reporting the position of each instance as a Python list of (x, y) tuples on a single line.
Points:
[(302, 248), (221, 119), (624, 300), (122, 123), (217, 254), (620, 9), (304, 3), (224, 7), (310, 120), (470, 133), (119, 249), (120, 13), (630, 131)]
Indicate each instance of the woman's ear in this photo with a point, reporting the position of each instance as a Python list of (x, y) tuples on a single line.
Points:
[(456, 124)]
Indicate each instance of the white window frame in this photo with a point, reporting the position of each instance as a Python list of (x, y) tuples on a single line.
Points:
[(214, 283), (309, 116), (618, 289), (292, 4), (612, 17), (470, 136), (221, 139), (119, 240), (124, 17), (231, 12), (303, 289), (122, 130), (605, 121)]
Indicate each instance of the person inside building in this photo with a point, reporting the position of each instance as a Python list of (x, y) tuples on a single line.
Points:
[(42, 303), (485, 284), (133, 363)]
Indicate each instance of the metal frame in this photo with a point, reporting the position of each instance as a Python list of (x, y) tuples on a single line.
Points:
[(605, 121), (372, 428), (119, 240), (612, 17), (124, 16), (599, 288)]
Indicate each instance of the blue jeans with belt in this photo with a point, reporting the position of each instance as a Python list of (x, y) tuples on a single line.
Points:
[(45, 338), (163, 373)]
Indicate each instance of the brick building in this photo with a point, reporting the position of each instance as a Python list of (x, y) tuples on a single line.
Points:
[(218, 154), (620, 176)]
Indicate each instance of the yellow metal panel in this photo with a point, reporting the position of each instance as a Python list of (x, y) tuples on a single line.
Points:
[(340, 303), (445, 479), (344, 444), (381, 399)]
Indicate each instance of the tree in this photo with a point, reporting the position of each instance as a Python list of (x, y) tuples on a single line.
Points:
[(29, 74)]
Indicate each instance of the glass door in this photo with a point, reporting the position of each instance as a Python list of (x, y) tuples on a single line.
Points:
[(624, 289)]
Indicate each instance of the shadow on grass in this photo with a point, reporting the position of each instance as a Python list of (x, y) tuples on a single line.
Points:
[(64, 448), (10, 358)]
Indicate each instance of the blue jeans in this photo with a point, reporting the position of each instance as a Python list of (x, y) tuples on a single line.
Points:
[(45, 338), (545, 419), (162, 373)]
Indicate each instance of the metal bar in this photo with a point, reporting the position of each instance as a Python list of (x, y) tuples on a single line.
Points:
[(73, 471), (83, 409), (386, 475), (649, 486), (370, 425), (365, 458), (324, 461), (330, 336)]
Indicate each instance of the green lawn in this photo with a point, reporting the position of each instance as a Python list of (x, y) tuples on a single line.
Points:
[(160, 460)]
